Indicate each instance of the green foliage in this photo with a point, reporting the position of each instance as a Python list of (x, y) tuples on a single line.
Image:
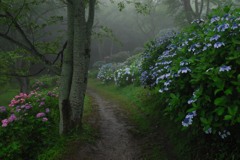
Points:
[(130, 71), (65, 145), (105, 73), (195, 74), (45, 81), (34, 118)]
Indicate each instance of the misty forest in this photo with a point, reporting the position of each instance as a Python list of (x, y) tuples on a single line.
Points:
[(119, 79)]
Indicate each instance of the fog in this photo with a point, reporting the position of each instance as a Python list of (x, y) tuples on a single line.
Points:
[(126, 29)]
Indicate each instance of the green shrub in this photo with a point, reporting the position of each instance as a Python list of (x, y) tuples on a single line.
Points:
[(196, 75), (106, 72), (45, 81), (28, 125)]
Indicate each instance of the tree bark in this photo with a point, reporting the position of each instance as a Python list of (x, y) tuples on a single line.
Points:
[(77, 89), (75, 65), (23, 84), (66, 75), (188, 10)]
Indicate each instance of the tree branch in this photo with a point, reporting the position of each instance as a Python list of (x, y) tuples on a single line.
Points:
[(19, 75), (15, 42), (24, 36), (91, 13), (60, 53)]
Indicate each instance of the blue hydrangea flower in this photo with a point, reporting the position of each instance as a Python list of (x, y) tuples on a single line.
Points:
[(190, 101), (218, 44), (208, 131), (234, 26), (215, 37), (224, 134), (184, 70), (198, 21), (189, 118), (224, 68), (183, 63), (204, 48), (223, 27), (214, 19), (167, 83)]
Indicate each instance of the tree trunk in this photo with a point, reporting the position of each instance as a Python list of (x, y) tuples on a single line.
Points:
[(188, 10), (78, 84), (75, 65), (23, 84), (66, 75)]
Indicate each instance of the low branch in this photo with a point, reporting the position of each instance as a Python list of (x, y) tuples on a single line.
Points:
[(32, 47), (60, 53), (19, 75), (15, 42)]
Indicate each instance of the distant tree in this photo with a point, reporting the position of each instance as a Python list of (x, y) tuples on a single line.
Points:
[(23, 25), (195, 9)]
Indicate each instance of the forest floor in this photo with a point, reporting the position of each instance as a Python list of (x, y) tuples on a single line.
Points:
[(116, 140)]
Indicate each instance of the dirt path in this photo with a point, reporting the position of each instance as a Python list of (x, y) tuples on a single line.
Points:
[(115, 142)]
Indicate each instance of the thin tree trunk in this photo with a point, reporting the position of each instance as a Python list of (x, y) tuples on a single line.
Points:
[(188, 10), (208, 7), (66, 75), (78, 78)]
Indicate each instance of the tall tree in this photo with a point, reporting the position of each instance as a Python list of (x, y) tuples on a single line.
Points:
[(75, 64)]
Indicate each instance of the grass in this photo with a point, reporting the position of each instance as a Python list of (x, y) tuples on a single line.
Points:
[(66, 145), (144, 111), (7, 95)]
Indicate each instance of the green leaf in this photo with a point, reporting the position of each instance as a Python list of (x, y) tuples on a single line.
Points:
[(227, 9), (232, 110), (221, 101), (228, 91), (227, 117), (192, 109), (204, 120), (219, 110), (235, 41)]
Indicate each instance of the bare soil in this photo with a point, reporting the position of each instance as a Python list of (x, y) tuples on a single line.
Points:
[(117, 138), (115, 141)]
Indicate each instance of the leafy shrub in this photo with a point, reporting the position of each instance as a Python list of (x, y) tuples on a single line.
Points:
[(45, 82), (129, 73), (150, 57), (106, 72), (124, 76), (197, 76), (28, 125)]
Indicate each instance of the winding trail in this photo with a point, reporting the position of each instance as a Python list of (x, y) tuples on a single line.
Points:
[(115, 142)]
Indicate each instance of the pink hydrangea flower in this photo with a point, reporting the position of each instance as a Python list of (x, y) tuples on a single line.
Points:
[(40, 114), (2, 109), (41, 104), (12, 118), (44, 119), (47, 110), (28, 106), (4, 123)]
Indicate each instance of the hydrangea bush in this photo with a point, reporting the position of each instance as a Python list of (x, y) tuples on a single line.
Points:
[(197, 73), (130, 71), (106, 72), (27, 123)]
